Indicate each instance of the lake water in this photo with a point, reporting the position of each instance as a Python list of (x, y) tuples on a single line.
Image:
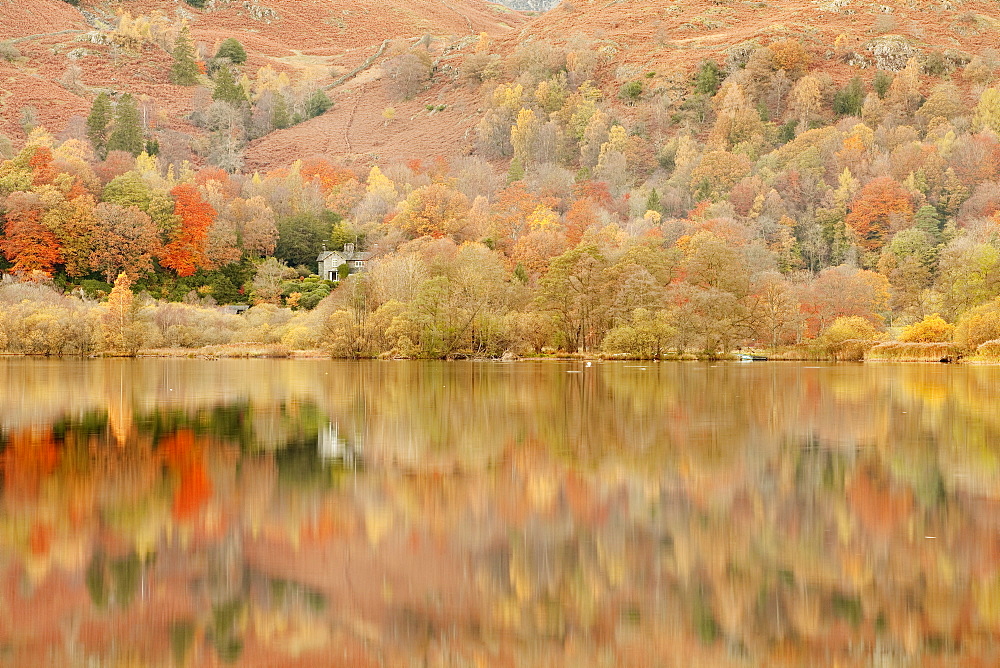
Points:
[(320, 513)]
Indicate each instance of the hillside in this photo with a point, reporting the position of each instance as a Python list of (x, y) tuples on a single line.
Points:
[(65, 55)]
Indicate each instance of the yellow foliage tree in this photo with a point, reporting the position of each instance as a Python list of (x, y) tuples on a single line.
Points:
[(988, 109)]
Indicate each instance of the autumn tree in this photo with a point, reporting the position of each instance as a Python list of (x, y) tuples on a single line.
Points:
[(122, 331), (435, 210), (988, 109), (572, 292), (129, 189), (186, 250), (880, 208), (717, 173), (407, 72), (27, 243), (124, 243), (968, 274), (270, 274), (844, 291)]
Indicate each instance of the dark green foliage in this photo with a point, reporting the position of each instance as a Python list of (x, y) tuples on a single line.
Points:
[(196, 3), (225, 621), (343, 271), (226, 88), (225, 285), (709, 78), (181, 639), (848, 100), (97, 124), (311, 289), (127, 133), (631, 92), (280, 118), (75, 3), (786, 132), (927, 220), (881, 84), (847, 608), (520, 273), (97, 584), (152, 146), (317, 103), (233, 50), (301, 237), (653, 201), (184, 71)]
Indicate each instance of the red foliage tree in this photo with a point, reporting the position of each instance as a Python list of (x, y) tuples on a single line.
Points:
[(882, 207), (29, 244), (186, 251)]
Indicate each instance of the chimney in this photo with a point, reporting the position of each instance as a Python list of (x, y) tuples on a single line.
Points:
[(348, 250)]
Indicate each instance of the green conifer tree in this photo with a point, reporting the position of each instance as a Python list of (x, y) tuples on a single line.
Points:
[(280, 118), (184, 71), (97, 124), (226, 88), (127, 134)]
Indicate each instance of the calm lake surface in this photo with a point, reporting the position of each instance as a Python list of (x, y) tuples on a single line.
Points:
[(320, 513)]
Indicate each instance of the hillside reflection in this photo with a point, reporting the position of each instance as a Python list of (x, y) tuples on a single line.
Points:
[(313, 513)]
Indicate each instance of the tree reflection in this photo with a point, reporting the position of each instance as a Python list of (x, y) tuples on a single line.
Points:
[(270, 513)]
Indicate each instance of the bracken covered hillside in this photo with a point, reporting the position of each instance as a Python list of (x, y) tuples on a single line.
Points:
[(64, 55)]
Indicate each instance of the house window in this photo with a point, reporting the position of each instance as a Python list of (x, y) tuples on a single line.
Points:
[(333, 275)]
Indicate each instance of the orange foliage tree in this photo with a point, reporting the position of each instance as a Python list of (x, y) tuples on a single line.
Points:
[(41, 166), (186, 251), (882, 207), (27, 242), (435, 210), (326, 175)]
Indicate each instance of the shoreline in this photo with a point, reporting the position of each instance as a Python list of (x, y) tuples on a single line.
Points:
[(267, 351)]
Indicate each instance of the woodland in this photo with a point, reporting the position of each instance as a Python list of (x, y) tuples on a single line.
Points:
[(762, 204)]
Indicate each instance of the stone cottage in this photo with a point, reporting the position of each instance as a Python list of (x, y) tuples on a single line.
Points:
[(330, 261)]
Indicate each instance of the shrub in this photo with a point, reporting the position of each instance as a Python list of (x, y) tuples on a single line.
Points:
[(881, 84), (318, 103), (233, 50), (978, 326), (931, 329), (708, 79), (848, 100), (630, 92), (848, 338), (199, 4)]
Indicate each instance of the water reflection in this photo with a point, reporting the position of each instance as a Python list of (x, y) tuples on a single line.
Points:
[(311, 513)]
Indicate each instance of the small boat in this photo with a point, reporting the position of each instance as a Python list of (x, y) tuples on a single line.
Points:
[(746, 357)]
